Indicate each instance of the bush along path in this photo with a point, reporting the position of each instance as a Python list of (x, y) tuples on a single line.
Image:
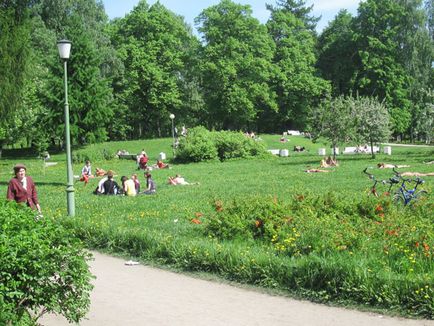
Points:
[(323, 248)]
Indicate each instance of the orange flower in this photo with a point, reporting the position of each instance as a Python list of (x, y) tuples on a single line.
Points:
[(258, 223), (425, 246), (379, 208), (198, 214), (417, 244), (196, 221), (392, 232), (218, 206), (300, 197)]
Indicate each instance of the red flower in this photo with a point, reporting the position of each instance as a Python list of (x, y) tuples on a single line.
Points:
[(417, 244), (379, 208)]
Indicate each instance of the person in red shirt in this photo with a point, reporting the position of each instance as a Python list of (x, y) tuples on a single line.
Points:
[(22, 189)]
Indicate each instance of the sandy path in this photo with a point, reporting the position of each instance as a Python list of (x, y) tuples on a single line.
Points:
[(141, 295)]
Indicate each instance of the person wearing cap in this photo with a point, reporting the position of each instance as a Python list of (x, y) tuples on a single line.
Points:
[(22, 189)]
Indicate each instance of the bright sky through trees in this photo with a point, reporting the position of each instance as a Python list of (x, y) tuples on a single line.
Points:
[(191, 8)]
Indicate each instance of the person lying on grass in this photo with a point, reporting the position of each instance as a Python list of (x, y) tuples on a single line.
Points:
[(417, 174), (160, 165), (316, 171), (178, 180), (391, 166), (100, 172)]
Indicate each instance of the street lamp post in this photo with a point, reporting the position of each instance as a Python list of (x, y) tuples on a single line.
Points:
[(64, 47), (172, 117)]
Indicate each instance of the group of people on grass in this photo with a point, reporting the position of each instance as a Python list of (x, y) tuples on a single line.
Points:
[(128, 187)]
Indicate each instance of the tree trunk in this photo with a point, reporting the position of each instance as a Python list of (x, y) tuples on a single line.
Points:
[(372, 148)]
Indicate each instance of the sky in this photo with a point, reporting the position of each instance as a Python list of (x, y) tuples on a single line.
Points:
[(190, 9)]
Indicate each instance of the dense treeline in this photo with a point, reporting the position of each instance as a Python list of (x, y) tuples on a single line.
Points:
[(127, 75)]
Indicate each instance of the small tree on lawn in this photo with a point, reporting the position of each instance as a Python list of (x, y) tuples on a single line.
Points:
[(373, 121), (334, 120)]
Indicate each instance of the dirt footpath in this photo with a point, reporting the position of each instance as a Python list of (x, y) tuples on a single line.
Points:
[(140, 295)]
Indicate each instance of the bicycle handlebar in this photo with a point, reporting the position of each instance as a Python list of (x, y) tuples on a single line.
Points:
[(371, 176)]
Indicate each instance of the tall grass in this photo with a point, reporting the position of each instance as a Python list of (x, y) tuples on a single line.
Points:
[(338, 255)]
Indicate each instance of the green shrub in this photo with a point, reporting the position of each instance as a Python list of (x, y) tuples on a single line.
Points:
[(236, 145), (198, 146), (81, 156), (42, 269), (203, 145)]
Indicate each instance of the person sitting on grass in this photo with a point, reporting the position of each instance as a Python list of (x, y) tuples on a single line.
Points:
[(299, 148), (110, 186), (328, 162), (142, 161), (135, 178), (86, 173), (128, 186), (151, 187)]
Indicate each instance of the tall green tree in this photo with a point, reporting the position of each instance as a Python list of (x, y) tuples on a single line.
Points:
[(337, 53), (153, 44), (389, 37), (299, 9), (236, 66), (14, 63), (91, 105), (295, 79)]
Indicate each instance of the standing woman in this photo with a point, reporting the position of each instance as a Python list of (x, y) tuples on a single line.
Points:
[(22, 189)]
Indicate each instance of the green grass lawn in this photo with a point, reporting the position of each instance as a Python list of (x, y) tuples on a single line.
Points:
[(334, 244)]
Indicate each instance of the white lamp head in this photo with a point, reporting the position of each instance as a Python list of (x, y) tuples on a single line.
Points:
[(64, 47), (172, 116)]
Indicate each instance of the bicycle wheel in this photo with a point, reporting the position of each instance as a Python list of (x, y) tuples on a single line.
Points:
[(418, 197), (398, 199)]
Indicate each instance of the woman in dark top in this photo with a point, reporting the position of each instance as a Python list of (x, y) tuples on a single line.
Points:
[(22, 189), (150, 185)]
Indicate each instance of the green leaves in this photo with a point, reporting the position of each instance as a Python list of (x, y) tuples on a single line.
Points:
[(235, 65), (42, 267)]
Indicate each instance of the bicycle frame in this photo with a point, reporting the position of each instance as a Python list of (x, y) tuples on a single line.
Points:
[(407, 194), (374, 186)]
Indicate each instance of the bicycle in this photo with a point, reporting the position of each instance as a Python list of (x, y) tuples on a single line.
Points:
[(404, 196), (392, 181)]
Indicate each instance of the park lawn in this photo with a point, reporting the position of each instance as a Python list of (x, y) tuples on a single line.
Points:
[(339, 247)]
